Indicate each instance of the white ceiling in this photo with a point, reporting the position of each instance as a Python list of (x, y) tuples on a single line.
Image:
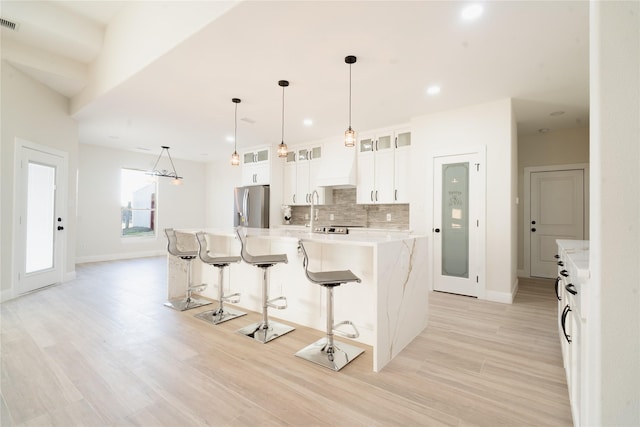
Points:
[(534, 52)]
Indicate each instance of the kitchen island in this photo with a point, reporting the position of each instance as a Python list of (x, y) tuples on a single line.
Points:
[(389, 307)]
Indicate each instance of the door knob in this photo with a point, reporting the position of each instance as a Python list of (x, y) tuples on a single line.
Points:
[(60, 227), (437, 230), (533, 222), (533, 230)]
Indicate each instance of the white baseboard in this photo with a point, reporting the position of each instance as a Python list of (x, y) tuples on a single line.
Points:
[(503, 297), (115, 257)]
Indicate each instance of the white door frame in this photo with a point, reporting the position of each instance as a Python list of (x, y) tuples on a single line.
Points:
[(481, 152), (18, 194), (527, 204)]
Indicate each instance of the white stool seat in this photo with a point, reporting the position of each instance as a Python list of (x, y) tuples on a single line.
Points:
[(188, 302), (266, 330), (326, 352), (222, 313)]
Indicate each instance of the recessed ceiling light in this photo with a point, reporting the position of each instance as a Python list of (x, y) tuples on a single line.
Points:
[(433, 90), (307, 122), (543, 130), (229, 138), (556, 113), (471, 12)]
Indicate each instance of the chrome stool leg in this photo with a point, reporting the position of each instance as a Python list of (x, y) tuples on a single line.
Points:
[(325, 351), (189, 302), (267, 330), (222, 313)]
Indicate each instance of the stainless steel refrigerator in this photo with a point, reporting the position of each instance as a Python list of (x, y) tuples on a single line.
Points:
[(251, 206)]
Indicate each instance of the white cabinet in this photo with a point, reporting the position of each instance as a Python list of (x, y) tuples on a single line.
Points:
[(256, 166), (402, 166), (300, 173), (383, 167), (572, 289)]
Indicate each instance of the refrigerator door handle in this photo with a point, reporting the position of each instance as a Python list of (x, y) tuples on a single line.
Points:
[(245, 205)]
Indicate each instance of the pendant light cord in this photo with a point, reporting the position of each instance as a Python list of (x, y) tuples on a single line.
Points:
[(349, 96), (235, 130), (282, 141)]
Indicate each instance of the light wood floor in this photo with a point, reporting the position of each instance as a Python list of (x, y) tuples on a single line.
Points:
[(102, 350)]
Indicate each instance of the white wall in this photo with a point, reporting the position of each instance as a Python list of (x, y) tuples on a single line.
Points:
[(33, 112), (489, 125), (614, 342), (140, 33), (561, 147), (221, 178), (99, 203)]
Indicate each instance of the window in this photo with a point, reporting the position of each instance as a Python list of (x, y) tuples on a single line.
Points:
[(138, 203)]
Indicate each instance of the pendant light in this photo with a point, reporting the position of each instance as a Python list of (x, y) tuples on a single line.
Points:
[(350, 134), (177, 180), (235, 157), (282, 148)]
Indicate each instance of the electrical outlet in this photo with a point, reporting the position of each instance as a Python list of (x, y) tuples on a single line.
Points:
[(332, 217), (388, 217)]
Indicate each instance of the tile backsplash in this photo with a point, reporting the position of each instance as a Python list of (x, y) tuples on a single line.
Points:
[(345, 211)]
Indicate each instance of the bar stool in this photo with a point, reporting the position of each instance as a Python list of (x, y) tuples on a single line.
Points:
[(188, 302), (326, 351), (220, 314), (265, 330)]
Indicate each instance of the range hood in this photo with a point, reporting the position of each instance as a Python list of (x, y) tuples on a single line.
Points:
[(338, 168)]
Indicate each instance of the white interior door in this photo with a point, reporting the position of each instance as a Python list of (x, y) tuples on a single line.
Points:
[(457, 223), (557, 212), (40, 222)]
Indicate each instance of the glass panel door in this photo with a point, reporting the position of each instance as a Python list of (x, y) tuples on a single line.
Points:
[(40, 217), (455, 219)]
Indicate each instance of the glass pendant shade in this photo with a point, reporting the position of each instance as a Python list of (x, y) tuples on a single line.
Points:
[(350, 137), (235, 159), (282, 150)]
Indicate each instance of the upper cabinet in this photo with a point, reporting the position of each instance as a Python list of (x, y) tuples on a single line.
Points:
[(402, 166), (256, 166), (301, 169), (383, 167)]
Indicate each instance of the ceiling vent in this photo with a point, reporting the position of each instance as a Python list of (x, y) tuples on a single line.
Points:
[(11, 25), (6, 23)]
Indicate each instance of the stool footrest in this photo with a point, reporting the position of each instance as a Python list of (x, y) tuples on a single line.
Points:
[(233, 298), (272, 303), (354, 334), (198, 288)]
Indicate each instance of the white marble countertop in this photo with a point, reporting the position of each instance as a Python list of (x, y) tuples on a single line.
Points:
[(359, 237)]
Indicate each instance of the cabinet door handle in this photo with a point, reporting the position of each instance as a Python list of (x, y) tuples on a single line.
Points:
[(571, 289), (395, 195), (396, 142), (376, 195), (556, 256), (294, 198), (561, 264), (564, 273), (563, 323), (372, 195), (557, 283)]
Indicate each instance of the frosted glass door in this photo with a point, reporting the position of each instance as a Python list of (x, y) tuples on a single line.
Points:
[(40, 222), (40, 217), (455, 220), (458, 224)]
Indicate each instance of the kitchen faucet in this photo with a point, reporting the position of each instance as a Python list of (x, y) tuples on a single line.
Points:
[(311, 213)]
